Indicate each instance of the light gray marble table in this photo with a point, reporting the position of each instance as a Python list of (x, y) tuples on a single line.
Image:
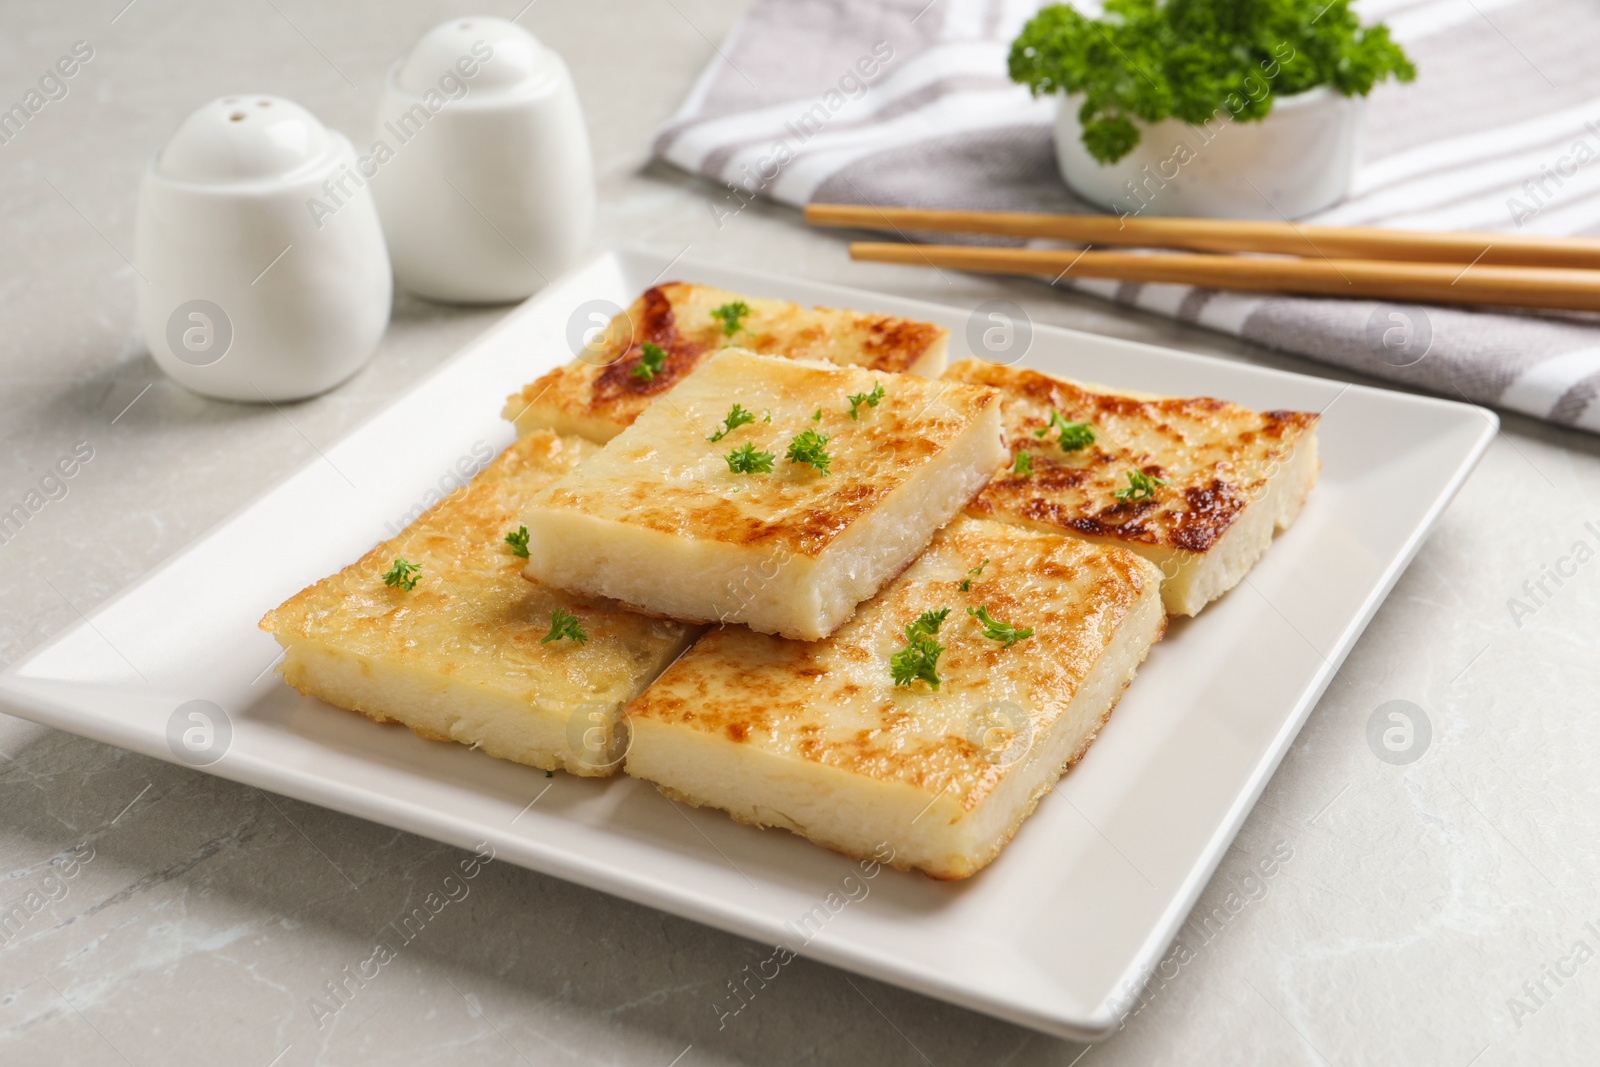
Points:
[(1432, 913)]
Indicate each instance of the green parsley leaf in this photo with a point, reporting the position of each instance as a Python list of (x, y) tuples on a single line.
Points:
[(966, 583), (746, 460), (564, 623), (1141, 486), (1022, 465), (651, 358), (1200, 61), (808, 448), (1074, 435), (737, 417), (402, 575), (870, 399), (920, 657), (817, 415), (549, 774), (996, 630), (928, 623), (518, 540), (731, 316)]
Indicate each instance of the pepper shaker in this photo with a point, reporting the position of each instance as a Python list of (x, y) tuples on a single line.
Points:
[(481, 164)]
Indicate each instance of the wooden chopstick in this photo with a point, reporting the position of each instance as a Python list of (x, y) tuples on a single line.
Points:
[(1230, 235), (1437, 283)]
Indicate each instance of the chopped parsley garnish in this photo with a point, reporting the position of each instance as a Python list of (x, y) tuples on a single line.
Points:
[(996, 630), (816, 416), (731, 316), (1074, 435), (1022, 465), (746, 460), (518, 540), (808, 448), (737, 417), (920, 657), (870, 399), (651, 358), (564, 623), (1141, 486), (966, 583), (403, 575)]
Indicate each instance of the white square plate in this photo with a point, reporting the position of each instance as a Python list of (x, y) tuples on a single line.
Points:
[(1057, 934)]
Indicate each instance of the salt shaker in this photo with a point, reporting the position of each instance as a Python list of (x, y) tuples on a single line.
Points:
[(481, 164), (264, 271)]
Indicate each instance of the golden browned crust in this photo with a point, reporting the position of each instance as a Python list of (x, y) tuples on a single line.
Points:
[(833, 702), (461, 535), (1216, 458), (664, 476), (600, 394), (473, 617), (900, 863)]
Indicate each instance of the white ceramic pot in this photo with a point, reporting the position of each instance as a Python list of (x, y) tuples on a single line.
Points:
[(248, 293), (484, 178), (1297, 161)]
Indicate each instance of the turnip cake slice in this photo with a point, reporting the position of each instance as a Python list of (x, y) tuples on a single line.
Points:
[(598, 394), (1196, 485), (438, 630), (929, 725), (774, 492)]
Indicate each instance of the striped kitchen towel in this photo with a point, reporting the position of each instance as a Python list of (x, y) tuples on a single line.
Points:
[(907, 102)]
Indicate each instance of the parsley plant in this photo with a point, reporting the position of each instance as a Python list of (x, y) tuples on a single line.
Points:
[(1148, 60)]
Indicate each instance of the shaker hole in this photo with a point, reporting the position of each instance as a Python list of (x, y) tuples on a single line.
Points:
[(263, 103), (237, 116)]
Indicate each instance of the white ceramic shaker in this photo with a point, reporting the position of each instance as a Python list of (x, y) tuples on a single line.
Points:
[(265, 275), (482, 169)]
